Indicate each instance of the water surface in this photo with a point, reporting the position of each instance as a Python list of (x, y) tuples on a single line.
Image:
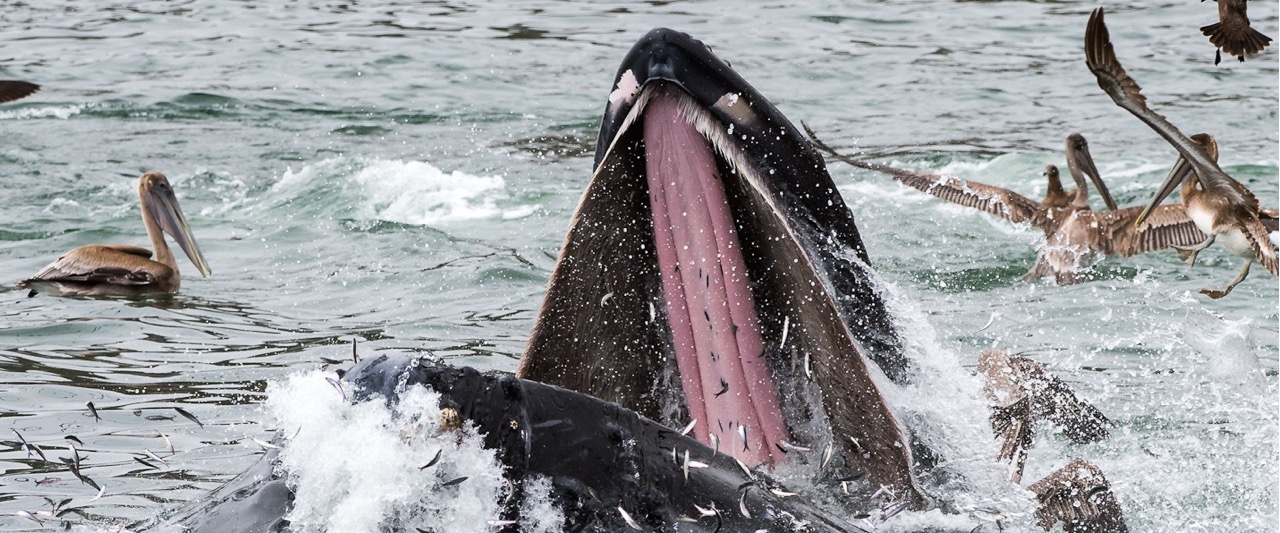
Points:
[(402, 173)]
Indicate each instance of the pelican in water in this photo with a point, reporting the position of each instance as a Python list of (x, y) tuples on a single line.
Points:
[(11, 90), (1074, 233), (122, 269), (1022, 392), (1233, 33), (1221, 207)]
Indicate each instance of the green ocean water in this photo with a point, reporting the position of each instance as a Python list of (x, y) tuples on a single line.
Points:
[(402, 173)]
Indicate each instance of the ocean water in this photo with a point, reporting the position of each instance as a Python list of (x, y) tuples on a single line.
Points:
[(402, 174)]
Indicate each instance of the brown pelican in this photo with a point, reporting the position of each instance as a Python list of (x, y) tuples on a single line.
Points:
[(1074, 233), (122, 269), (1221, 206), (11, 90), (1080, 497), (1233, 32), (1022, 392)]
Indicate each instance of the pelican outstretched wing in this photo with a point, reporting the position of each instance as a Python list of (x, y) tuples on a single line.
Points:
[(11, 90), (990, 199), (1112, 78), (1167, 226)]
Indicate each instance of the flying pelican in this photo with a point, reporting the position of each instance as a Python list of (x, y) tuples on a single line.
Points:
[(122, 269), (1221, 207), (1074, 233), (11, 90), (1233, 32)]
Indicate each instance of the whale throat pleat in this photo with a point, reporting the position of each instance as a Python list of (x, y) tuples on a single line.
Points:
[(715, 328)]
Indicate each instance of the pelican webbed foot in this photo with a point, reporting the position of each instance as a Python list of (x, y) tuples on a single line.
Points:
[(1189, 253), (1219, 293)]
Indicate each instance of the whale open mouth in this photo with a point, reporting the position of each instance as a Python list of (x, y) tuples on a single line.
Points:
[(713, 275)]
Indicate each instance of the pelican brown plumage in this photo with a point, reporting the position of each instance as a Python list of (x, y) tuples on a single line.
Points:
[(1233, 33), (1221, 206), (1074, 233), (1022, 392), (11, 90), (126, 270)]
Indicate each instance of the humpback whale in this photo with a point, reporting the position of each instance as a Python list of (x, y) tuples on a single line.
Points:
[(712, 275), (610, 469), (712, 279)]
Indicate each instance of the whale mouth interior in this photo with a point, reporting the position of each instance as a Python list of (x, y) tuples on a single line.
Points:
[(742, 301), (711, 312), (619, 316)]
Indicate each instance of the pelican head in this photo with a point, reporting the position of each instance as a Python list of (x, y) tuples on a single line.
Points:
[(160, 209), (1180, 173), (1079, 161), (1055, 196)]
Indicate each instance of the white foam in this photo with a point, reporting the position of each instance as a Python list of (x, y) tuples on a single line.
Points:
[(1226, 355), (59, 112), (943, 406), (357, 468), (416, 192), (406, 192)]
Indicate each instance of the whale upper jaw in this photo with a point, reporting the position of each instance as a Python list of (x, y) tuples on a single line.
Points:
[(825, 335)]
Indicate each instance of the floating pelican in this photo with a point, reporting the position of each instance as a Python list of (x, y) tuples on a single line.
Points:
[(1233, 33), (122, 269), (1221, 206), (1073, 232), (11, 90)]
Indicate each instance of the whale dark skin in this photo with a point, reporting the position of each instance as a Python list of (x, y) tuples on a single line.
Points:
[(571, 438)]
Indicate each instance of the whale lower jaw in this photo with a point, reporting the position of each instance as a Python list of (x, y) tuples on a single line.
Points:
[(712, 275)]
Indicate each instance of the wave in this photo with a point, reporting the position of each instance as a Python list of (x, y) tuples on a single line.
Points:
[(405, 192), (59, 112)]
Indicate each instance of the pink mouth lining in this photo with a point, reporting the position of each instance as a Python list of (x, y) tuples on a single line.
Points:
[(717, 338)]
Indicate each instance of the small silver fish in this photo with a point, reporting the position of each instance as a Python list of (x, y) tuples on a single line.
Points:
[(685, 467), (337, 385), (264, 444), (29, 516), (689, 427), (188, 416), (453, 482), (433, 460), (893, 510), (786, 325), (156, 457), (626, 517)]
